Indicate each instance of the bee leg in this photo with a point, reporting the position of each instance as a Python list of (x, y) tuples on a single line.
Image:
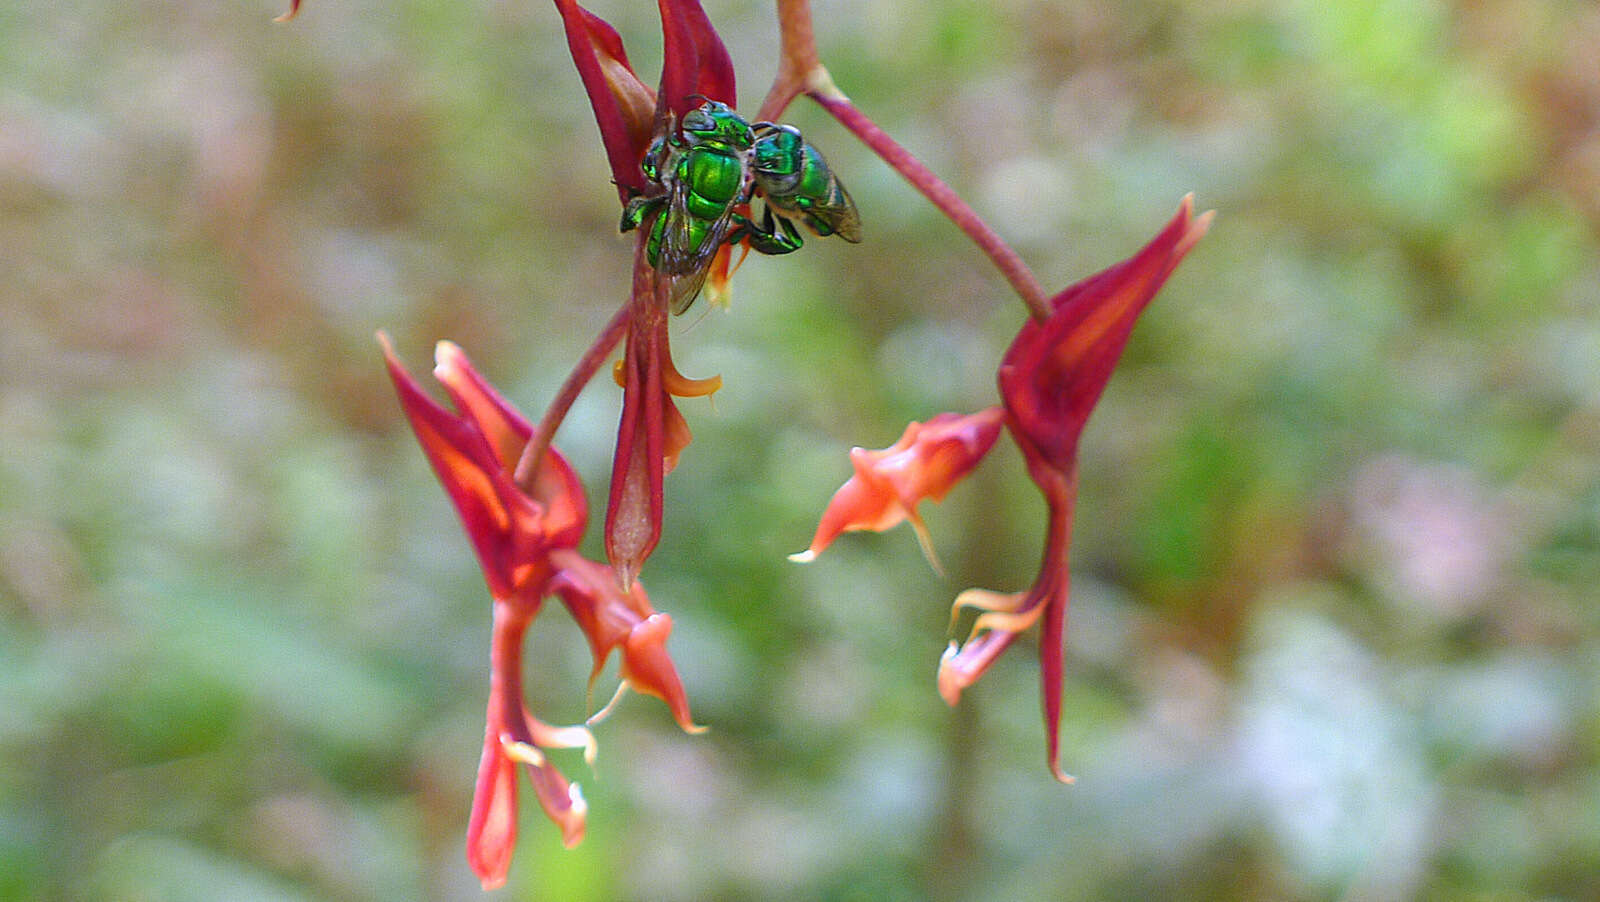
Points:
[(633, 215), (817, 224), (772, 237)]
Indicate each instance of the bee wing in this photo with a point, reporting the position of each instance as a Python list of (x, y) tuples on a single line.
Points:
[(686, 288), (689, 283), (678, 246), (686, 252), (839, 213), (680, 289)]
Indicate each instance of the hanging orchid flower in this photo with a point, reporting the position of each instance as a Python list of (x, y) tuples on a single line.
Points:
[(695, 68), (526, 542), (1050, 381), (927, 462)]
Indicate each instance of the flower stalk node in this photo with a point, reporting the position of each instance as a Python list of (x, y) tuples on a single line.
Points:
[(820, 85)]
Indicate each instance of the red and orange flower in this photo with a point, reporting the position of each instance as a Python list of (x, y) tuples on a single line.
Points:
[(526, 542), (695, 67), (1050, 380), (520, 502)]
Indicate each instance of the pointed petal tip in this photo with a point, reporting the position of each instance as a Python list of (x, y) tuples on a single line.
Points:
[(573, 822), (681, 715), (523, 753), (1062, 777), (390, 359), (1195, 227), (447, 357), (677, 702), (950, 682), (803, 557), (608, 707), (1186, 208), (924, 540)]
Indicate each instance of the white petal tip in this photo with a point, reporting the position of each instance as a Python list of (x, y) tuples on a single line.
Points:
[(523, 753)]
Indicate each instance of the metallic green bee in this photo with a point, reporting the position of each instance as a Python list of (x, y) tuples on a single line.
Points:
[(717, 163), (706, 174), (797, 184)]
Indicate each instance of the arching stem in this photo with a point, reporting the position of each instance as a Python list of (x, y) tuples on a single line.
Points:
[(800, 71), (588, 365), (822, 90)]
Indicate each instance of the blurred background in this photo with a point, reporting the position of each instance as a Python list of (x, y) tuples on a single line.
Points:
[(1334, 631)]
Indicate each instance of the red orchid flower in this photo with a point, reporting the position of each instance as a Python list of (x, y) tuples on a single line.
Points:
[(526, 543), (1050, 380), (927, 461), (695, 64), (695, 67)]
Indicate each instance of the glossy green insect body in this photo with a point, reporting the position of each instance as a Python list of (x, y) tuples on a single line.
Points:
[(798, 183), (707, 185), (706, 173), (710, 167), (716, 124)]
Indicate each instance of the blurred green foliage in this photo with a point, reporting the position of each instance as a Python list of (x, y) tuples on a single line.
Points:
[(1335, 630)]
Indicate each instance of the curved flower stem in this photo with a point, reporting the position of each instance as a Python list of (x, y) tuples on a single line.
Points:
[(797, 59), (941, 195), (588, 364), (1061, 496), (800, 71)]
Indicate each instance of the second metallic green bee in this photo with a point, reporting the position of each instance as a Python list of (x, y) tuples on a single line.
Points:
[(715, 166), (797, 184)]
